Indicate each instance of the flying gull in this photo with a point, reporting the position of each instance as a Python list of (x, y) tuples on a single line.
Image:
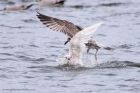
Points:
[(70, 30), (64, 26)]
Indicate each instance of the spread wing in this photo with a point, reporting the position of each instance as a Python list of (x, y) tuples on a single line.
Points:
[(85, 35), (55, 24)]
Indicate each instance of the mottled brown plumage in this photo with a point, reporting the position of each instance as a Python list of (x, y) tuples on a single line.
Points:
[(64, 26), (92, 45), (69, 29)]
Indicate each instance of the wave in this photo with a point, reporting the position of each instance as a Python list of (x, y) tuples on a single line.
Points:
[(112, 4), (106, 65)]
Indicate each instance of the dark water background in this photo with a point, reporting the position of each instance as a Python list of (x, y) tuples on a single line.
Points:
[(29, 50)]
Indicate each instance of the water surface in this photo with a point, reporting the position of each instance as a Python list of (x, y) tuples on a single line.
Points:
[(29, 51)]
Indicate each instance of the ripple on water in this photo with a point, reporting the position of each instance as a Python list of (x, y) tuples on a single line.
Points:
[(79, 6), (34, 46), (106, 65), (12, 27), (100, 85), (8, 47), (8, 2), (125, 46), (109, 74), (41, 71), (29, 77), (7, 54), (132, 80), (3, 76), (113, 4), (29, 21), (122, 85), (31, 59)]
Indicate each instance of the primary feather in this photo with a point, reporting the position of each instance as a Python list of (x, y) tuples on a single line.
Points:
[(55, 24)]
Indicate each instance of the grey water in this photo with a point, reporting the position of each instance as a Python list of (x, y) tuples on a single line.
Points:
[(29, 51)]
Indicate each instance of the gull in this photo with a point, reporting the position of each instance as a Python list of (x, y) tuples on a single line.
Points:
[(70, 30), (78, 44), (51, 2), (17, 7)]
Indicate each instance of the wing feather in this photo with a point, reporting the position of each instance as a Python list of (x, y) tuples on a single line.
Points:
[(86, 34), (63, 26)]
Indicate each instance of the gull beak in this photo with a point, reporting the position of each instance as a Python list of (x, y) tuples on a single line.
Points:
[(66, 42), (29, 6)]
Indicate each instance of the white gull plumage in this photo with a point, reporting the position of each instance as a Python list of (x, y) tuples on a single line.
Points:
[(77, 44)]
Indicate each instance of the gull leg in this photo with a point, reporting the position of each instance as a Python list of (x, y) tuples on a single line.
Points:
[(96, 55), (88, 50)]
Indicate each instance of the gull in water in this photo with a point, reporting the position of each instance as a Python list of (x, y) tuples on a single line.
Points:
[(80, 39), (51, 2), (78, 44), (17, 7)]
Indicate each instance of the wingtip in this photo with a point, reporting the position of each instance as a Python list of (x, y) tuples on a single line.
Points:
[(100, 23), (97, 25), (39, 14)]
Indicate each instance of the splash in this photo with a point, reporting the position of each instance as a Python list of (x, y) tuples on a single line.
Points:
[(88, 64), (85, 62)]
